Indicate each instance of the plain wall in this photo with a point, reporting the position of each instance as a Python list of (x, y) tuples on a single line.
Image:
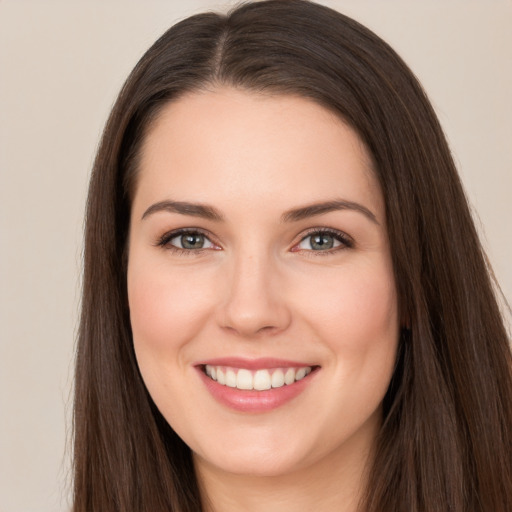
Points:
[(61, 65)]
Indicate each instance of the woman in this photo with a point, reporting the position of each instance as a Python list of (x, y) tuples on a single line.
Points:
[(285, 302)]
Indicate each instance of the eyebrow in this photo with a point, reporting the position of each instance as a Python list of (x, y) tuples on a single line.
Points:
[(209, 212), (184, 208), (311, 210)]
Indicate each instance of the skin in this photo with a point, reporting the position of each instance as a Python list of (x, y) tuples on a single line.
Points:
[(258, 289)]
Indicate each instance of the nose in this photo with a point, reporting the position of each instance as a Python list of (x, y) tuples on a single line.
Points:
[(254, 300)]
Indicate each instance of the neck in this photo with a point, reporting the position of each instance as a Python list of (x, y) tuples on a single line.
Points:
[(334, 483)]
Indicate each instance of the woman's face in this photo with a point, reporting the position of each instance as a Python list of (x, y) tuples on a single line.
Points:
[(259, 255)]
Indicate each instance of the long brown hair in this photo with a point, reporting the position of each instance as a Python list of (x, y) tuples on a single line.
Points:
[(445, 444)]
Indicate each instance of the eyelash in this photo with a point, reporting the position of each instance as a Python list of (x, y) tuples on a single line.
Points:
[(345, 241)]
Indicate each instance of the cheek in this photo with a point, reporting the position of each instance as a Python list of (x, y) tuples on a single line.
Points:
[(357, 320), (165, 308), (356, 313)]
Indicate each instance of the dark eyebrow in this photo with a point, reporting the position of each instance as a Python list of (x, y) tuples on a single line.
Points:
[(329, 206), (184, 208)]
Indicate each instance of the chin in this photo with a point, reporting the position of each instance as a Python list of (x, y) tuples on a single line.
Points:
[(265, 458), (258, 465)]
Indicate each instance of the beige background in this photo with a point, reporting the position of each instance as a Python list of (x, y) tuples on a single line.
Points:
[(61, 65)]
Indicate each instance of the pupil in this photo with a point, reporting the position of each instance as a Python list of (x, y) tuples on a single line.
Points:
[(321, 242), (192, 241)]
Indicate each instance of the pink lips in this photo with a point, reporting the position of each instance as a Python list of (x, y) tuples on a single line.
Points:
[(252, 401)]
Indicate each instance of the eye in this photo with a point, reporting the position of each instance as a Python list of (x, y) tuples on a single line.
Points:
[(186, 240), (324, 241), (191, 241)]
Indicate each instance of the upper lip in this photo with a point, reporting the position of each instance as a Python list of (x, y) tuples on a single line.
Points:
[(254, 364)]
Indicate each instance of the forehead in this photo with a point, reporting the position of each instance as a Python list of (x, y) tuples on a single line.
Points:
[(215, 145)]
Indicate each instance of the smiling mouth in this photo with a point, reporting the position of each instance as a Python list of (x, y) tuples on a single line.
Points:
[(257, 380)]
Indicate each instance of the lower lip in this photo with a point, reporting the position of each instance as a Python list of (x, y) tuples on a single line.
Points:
[(255, 401)]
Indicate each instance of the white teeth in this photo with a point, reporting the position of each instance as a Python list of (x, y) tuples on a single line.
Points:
[(260, 380), (278, 379), (300, 374), (230, 378), (244, 379), (289, 376)]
